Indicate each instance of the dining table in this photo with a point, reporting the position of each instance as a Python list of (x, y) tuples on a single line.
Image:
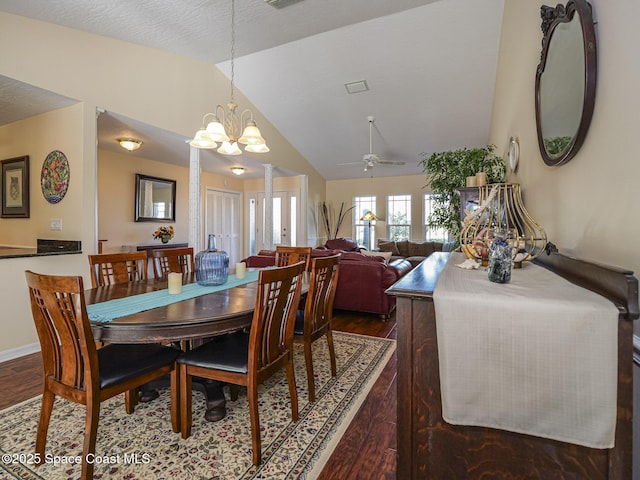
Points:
[(182, 319)]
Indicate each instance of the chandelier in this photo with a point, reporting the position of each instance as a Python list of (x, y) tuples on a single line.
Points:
[(224, 126)]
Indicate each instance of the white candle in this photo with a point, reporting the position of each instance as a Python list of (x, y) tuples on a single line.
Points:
[(241, 270), (175, 282)]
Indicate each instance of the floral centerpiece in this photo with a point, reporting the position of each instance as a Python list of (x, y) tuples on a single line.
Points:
[(164, 233)]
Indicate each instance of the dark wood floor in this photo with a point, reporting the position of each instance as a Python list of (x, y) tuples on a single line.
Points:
[(367, 450)]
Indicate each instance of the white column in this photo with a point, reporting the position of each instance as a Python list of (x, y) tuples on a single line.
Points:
[(195, 200), (303, 227), (268, 206)]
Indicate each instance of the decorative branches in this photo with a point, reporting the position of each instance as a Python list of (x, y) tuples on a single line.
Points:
[(330, 222)]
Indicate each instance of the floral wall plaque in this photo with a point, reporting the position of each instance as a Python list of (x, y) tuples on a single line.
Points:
[(54, 177)]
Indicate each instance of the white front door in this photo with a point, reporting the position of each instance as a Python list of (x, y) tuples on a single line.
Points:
[(285, 219), (224, 220)]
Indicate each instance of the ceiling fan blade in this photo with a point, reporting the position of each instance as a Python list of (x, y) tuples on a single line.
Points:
[(348, 164), (390, 162)]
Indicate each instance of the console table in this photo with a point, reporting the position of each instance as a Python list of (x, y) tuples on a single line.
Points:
[(431, 448)]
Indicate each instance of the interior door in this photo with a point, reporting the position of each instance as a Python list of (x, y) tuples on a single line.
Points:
[(224, 220)]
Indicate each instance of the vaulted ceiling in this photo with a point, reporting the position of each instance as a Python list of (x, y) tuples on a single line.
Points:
[(429, 65)]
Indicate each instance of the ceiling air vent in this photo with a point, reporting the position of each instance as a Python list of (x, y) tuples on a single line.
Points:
[(281, 3)]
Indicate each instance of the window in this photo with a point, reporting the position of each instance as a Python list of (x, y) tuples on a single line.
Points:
[(432, 234), (399, 217), (364, 231)]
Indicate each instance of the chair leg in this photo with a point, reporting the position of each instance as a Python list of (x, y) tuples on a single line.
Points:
[(332, 352), (43, 425), (185, 401), (256, 442), (90, 434), (175, 399), (308, 359), (131, 400), (233, 392), (291, 380)]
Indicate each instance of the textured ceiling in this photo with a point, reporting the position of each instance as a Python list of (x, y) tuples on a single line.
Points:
[(430, 67)]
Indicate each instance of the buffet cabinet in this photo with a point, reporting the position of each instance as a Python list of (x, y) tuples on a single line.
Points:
[(430, 448)]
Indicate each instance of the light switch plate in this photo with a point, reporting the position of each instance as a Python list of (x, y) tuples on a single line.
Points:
[(55, 224)]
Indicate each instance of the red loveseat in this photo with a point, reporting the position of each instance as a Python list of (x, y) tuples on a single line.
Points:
[(362, 280)]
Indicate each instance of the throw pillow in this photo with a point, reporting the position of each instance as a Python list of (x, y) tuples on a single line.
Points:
[(385, 255), (421, 249), (389, 247), (403, 248), (345, 244)]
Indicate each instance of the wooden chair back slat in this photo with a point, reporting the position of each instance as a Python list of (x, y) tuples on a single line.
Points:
[(286, 255), (167, 260), (112, 268)]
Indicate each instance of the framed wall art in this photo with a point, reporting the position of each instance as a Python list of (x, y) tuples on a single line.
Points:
[(15, 187)]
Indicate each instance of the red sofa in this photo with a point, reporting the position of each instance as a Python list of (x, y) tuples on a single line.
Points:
[(362, 280)]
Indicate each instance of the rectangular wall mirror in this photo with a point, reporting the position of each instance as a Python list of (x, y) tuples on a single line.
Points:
[(155, 199)]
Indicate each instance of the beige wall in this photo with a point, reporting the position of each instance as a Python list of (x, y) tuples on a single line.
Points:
[(37, 137), (587, 206), (116, 194), (148, 85), (339, 191)]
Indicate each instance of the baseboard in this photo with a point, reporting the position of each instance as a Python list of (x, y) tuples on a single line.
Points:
[(636, 350), (12, 353)]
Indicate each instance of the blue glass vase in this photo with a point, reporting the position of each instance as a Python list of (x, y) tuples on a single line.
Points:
[(501, 255), (212, 265)]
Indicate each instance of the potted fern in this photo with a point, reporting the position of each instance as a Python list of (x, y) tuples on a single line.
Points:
[(447, 172)]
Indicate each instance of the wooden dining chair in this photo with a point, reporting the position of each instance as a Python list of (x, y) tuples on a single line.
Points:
[(315, 321), (76, 370), (167, 260), (112, 268), (286, 255), (248, 358)]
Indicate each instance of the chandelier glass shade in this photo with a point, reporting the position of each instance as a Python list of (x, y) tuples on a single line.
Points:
[(224, 126), (500, 206)]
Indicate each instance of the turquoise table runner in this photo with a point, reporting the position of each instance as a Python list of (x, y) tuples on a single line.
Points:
[(121, 307)]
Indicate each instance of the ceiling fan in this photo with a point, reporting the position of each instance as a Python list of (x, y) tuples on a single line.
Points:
[(370, 159)]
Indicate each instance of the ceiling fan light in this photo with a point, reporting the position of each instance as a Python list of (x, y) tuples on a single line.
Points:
[(201, 141), (251, 135), (216, 131), (228, 148), (262, 148)]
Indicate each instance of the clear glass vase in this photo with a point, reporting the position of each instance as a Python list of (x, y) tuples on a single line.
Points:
[(212, 265)]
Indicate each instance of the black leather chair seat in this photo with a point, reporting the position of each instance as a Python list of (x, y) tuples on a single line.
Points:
[(298, 328), (227, 352), (119, 362)]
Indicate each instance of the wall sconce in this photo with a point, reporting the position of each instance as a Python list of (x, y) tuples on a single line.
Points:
[(237, 170), (129, 144)]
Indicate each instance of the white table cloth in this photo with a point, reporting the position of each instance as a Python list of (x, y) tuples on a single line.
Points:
[(537, 356)]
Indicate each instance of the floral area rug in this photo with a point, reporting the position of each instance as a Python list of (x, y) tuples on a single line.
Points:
[(143, 446)]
